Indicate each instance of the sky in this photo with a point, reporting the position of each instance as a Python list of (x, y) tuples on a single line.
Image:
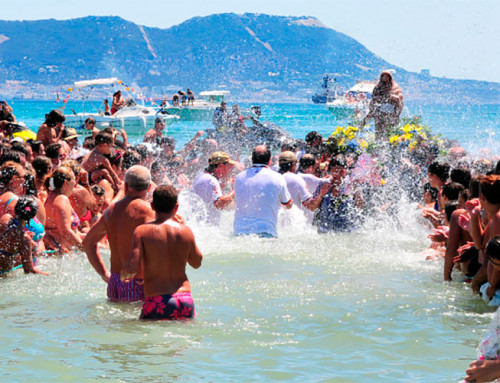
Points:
[(452, 38)]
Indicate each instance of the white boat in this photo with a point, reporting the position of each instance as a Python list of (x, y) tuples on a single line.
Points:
[(202, 108), (356, 99), (132, 117)]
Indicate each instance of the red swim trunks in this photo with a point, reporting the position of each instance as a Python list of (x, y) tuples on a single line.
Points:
[(168, 307)]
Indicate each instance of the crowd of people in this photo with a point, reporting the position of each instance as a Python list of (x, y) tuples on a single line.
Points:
[(57, 196)]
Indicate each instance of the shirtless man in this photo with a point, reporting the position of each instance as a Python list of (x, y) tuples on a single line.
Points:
[(119, 222), (52, 129), (163, 248), (152, 135)]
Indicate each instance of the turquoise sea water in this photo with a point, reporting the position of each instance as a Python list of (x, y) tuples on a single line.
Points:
[(358, 307)]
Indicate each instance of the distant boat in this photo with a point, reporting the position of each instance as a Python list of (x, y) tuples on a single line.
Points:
[(131, 117), (202, 109), (327, 91), (356, 99)]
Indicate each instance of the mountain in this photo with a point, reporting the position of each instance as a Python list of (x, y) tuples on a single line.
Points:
[(255, 56)]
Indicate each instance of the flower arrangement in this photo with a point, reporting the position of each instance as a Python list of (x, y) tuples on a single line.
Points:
[(347, 139)]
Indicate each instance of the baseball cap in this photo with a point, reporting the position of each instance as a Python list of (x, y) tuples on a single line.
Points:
[(220, 158)]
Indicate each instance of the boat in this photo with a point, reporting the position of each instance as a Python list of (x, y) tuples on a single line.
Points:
[(202, 108), (327, 91), (355, 101), (132, 117)]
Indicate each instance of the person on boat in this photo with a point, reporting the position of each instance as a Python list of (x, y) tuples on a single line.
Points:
[(62, 221), (259, 193), (90, 125), (175, 100), (220, 118), (182, 97), (118, 102), (118, 222), (163, 248), (152, 135), (190, 97), (338, 203), (15, 242), (208, 186), (385, 106), (107, 111), (52, 129)]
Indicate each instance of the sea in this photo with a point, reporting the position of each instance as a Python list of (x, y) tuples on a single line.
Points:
[(342, 307)]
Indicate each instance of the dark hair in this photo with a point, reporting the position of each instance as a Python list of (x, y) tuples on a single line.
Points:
[(54, 117), (313, 136), (288, 145), (497, 168), (10, 156), (462, 176), (452, 190), (90, 120), (35, 145), (474, 190), (440, 170), (492, 249), (286, 167), (26, 208), (19, 147), (490, 189), (338, 160), (42, 166), (52, 150), (89, 142), (261, 156), (59, 177), (103, 138), (433, 191), (97, 190), (449, 208), (306, 161), (164, 198), (130, 158), (29, 182), (8, 170)]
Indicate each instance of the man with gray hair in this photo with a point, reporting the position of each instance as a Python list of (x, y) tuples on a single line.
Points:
[(118, 222)]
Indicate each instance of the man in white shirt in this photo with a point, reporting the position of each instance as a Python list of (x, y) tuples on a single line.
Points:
[(259, 193), (207, 185), (307, 169), (296, 185)]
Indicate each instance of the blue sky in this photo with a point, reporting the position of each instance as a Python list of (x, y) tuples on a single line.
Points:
[(452, 38)]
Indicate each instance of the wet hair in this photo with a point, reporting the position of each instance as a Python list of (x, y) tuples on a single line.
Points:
[(261, 156), (52, 150), (492, 249), (449, 208), (138, 178), (26, 208), (103, 138), (338, 160), (58, 178), (11, 156), (35, 145), (313, 136), (19, 147), (8, 170), (167, 141), (288, 145), (462, 176), (164, 198), (29, 182), (90, 120), (474, 191), (130, 158), (73, 165), (440, 170), (452, 190), (98, 190), (54, 117), (306, 161), (490, 188), (89, 142), (116, 159), (433, 191), (42, 166)]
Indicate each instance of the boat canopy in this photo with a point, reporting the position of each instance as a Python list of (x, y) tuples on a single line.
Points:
[(363, 87), (98, 81), (214, 93)]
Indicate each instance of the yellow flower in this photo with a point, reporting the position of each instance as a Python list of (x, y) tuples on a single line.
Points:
[(394, 139), (382, 182), (363, 144)]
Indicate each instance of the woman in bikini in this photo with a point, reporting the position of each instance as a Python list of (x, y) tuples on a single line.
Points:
[(62, 221)]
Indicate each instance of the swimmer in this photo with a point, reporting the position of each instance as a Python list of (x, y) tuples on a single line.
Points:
[(163, 248)]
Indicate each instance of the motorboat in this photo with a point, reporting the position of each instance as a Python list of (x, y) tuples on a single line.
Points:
[(201, 109), (327, 91), (356, 99), (132, 117)]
